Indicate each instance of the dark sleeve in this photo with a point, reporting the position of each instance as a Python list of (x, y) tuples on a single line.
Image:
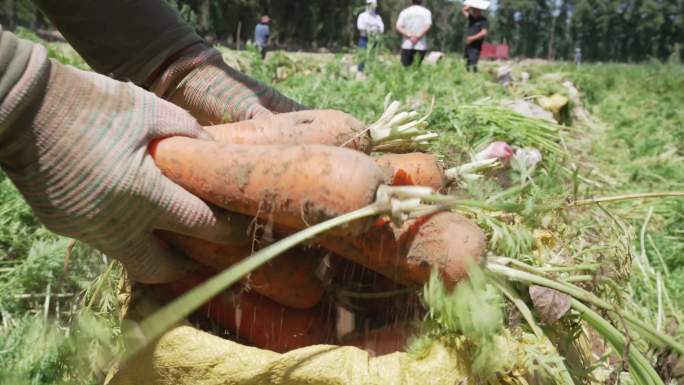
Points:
[(485, 24), (125, 39)]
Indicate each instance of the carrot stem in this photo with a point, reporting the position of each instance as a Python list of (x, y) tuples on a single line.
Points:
[(640, 368), (625, 197), (525, 311), (646, 331)]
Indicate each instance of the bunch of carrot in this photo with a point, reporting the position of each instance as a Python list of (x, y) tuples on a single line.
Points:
[(297, 169)]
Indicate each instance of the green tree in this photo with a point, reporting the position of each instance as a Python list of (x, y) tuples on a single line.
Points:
[(606, 30)]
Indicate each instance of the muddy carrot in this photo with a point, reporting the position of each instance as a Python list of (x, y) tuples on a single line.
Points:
[(329, 127), (395, 131), (256, 320), (414, 169), (294, 186), (408, 254), (289, 280)]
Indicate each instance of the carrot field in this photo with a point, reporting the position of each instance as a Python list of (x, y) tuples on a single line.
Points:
[(620, 139)]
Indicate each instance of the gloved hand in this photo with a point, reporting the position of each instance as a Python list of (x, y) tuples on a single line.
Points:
[(75, 145), (214, 93)]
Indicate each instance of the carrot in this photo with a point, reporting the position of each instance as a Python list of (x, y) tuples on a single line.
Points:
[(380, 342), (414, 169), (395, 131), (333, 128), (289, 280), (294, 186), (375, 299), (257, 320), (407, 255), (329, 127)]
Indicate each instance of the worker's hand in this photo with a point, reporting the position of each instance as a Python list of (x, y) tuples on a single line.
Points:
[(414, 39), (201, 82), (470, 39), (76, 146)]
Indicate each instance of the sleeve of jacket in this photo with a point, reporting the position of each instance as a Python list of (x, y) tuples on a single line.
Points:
[(124, 39)]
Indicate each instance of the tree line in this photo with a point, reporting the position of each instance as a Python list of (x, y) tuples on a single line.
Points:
[(604, 30)]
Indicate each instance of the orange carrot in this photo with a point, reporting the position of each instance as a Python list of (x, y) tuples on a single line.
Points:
[(259, 321), (329, 127), (335, 128), (294, 186), (289, 280), (407, 255), (415, 169)]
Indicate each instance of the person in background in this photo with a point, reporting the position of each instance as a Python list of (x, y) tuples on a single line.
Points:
[(369, 24), (262, 35), (413, 24), (477, 32), (578, 55)]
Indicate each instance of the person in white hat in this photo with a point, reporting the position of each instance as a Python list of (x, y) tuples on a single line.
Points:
[(477, 32), (413, 24), (369, 24)]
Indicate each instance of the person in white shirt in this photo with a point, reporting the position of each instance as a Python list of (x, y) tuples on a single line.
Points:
[(413, 24), (369, 24)]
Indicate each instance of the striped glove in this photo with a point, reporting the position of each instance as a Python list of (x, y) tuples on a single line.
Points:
[(75, 145), (201, 82)]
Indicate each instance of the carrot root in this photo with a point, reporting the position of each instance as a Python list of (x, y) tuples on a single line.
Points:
[(257, 320), (407, 255)]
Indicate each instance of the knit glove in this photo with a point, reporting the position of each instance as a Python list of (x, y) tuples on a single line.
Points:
[(75, 145), (214, 93)]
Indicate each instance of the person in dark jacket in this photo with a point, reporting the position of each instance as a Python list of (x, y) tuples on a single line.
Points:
[(477, 32)]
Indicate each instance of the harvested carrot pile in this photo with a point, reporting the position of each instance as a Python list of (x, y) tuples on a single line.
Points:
[(300, 169), (360, 237)]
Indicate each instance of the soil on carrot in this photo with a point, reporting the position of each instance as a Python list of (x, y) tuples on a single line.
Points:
[(242, 173)]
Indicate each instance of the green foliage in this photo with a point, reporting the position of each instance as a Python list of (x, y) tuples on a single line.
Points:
[(17, 223), (499, 123), (39, 352), (605, 30), (642, 104), (472, 311), (63, 53), (74, 344), (185, 11), (642, 151), (549, 28)]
